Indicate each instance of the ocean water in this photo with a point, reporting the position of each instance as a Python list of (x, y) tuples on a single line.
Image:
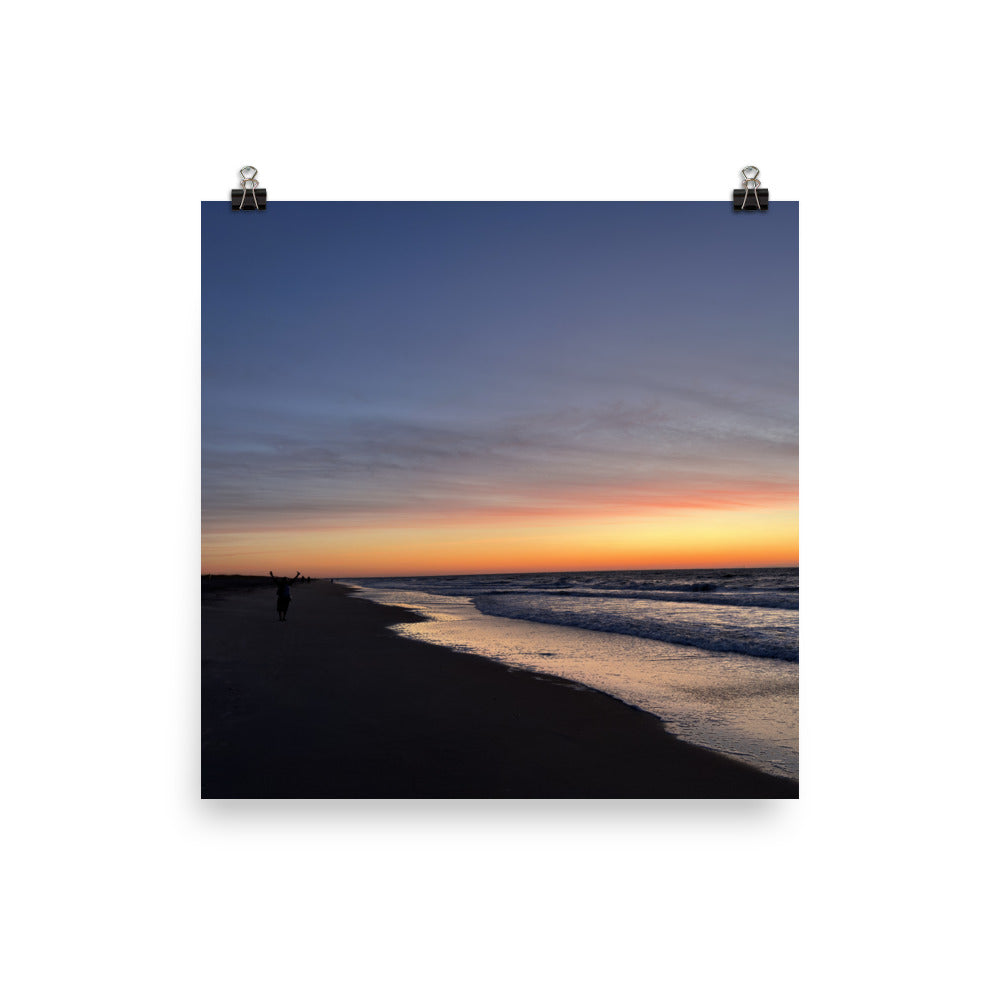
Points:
[(713, 653)]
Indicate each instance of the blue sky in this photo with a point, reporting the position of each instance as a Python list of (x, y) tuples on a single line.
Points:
[(377, 364)]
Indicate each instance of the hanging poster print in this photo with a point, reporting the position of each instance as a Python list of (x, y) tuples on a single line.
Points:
[(500, 500)]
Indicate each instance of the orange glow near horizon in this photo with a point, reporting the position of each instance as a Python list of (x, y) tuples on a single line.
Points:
[(701, 539)]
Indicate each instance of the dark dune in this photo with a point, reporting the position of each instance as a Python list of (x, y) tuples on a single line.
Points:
[(331, 704)]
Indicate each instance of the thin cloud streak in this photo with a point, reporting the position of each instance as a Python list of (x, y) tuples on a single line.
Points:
[(549, 464)]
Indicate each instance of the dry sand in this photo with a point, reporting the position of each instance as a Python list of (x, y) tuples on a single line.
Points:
[(331, 704)]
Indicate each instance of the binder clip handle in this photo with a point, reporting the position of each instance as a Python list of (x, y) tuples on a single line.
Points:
[(751, 185), (249, 183)]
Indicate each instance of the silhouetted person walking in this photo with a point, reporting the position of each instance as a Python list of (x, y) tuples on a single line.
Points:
[(284, 593)]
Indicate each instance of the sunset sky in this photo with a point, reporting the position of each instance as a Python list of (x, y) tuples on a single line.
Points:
[(447, 387)]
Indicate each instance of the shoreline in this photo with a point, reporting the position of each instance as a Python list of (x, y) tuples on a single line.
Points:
[(515, 641), (333, 704)]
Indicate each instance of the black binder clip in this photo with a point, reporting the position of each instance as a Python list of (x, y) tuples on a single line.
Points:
[(742, 202), (257, 200)]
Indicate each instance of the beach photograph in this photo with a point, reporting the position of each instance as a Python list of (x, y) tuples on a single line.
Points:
[(499, 500)]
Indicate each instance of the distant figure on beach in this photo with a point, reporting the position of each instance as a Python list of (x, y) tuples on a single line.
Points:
[(284, 593)]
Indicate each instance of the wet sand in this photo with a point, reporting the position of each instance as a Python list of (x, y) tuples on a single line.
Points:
[(331, 704)]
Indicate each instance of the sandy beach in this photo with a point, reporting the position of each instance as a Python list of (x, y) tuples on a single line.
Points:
[(332, 704)]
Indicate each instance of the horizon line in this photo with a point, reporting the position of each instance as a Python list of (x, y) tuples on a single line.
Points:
[(529, 572)]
